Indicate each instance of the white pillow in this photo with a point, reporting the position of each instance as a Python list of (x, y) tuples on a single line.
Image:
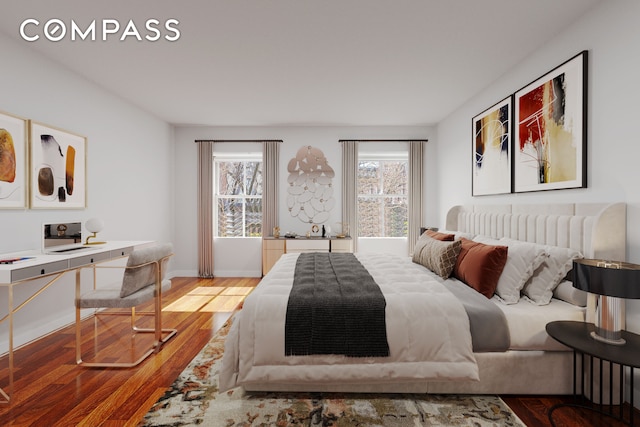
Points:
[(523, 259), (557, 263), (566, 292)]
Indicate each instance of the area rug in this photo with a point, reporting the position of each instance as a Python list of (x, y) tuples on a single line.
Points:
[(193, 400)]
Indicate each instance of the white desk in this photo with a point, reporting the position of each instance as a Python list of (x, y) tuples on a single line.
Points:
[(52, 267)]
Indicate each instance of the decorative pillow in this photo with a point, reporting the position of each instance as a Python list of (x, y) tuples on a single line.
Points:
[(440, 236), (437, 255), (480, 265), (424, 238), (566, 292), (523, 259), (557, 263), (459, 234), (415, 256)]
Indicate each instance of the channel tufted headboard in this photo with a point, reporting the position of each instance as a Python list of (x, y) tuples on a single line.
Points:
[(598, 230)]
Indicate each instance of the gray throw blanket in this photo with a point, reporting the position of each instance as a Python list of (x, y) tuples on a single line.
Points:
[(335, 307), (489, 329)]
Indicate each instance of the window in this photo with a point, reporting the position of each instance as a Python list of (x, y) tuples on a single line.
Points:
[(382, 196), (238, 197)]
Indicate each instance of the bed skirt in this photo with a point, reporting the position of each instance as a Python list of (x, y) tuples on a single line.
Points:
[(511, 372)]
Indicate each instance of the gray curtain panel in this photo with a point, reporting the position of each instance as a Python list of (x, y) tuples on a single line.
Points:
[(416, 180), (270, 195), (205, 208), (350, 188)]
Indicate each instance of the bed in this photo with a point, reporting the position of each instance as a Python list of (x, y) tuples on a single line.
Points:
[(432, 336)]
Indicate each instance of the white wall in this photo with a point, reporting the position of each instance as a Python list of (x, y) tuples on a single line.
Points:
[(129, 173), (611, 35), (227, 259)]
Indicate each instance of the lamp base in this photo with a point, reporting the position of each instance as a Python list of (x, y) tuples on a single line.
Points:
[(93, 236), (613, 341), (610, 320)]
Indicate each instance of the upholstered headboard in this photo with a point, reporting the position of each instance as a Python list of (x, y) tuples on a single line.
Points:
[(597, 230)]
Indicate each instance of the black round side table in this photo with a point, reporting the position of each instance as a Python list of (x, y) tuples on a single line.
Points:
[(577, 336)]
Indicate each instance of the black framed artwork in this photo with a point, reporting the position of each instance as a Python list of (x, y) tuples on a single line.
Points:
[(492, 150), (550, 136)]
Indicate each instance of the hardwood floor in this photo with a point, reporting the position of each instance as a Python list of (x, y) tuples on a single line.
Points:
[(51, 390), (533, 411)]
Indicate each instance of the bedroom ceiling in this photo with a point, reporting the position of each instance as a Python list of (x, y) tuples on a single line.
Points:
[(298, 62)]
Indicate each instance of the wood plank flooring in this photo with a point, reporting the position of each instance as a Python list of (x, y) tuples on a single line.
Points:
[(51, 390)]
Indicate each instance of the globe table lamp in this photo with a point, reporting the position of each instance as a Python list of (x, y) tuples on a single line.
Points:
[(94, 226), (612, 281)]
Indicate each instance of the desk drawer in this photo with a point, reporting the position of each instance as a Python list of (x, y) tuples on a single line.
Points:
[(39, 270), (116, 253), (89, 259)]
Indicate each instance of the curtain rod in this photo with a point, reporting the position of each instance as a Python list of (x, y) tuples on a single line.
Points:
[(384, 140), (238, 140)]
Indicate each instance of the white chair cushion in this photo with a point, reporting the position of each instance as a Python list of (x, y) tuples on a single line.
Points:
[(110, 298), (137, 278)]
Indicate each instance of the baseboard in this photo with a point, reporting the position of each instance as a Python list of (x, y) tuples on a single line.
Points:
[(182, 273), (237, 273), (217, 273)]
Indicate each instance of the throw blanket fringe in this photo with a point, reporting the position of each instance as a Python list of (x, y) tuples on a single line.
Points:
[(335, 307)]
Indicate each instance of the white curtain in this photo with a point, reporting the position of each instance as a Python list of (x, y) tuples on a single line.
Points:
[(350, 188), (416, 180), (270, 193), (205, 208)]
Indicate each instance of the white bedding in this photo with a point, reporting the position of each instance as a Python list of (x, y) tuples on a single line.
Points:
[(527, 323), (427, 330)]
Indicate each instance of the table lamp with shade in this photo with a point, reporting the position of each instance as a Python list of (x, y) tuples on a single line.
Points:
[(613, 282), (94, 226)]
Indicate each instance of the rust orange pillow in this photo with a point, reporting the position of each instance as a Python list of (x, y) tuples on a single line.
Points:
[(480, 265), (440, 236)]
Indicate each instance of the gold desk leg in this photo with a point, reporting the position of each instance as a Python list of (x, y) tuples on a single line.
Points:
[(78, 316), (6, 396)]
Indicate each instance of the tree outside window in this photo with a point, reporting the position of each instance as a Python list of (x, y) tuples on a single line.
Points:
[(382, 198), (238, 198)]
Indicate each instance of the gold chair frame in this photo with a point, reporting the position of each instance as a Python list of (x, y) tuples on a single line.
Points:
[(157, 330)]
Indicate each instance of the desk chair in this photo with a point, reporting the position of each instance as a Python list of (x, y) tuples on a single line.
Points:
[(142, 281)]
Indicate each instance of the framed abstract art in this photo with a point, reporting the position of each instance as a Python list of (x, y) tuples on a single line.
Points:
[(492, 150), (13, 162), (550, 129), (57, 167)]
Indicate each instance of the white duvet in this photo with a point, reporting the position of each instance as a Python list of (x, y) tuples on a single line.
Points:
[(427, 331)]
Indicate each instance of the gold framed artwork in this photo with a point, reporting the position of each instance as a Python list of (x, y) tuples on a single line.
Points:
[(13, 162), (57, 168)]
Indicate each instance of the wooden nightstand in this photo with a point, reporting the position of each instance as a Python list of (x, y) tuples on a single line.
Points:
[(342, 245), (272, 250)]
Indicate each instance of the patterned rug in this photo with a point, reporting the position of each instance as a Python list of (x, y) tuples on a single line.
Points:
[(193, 399)]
